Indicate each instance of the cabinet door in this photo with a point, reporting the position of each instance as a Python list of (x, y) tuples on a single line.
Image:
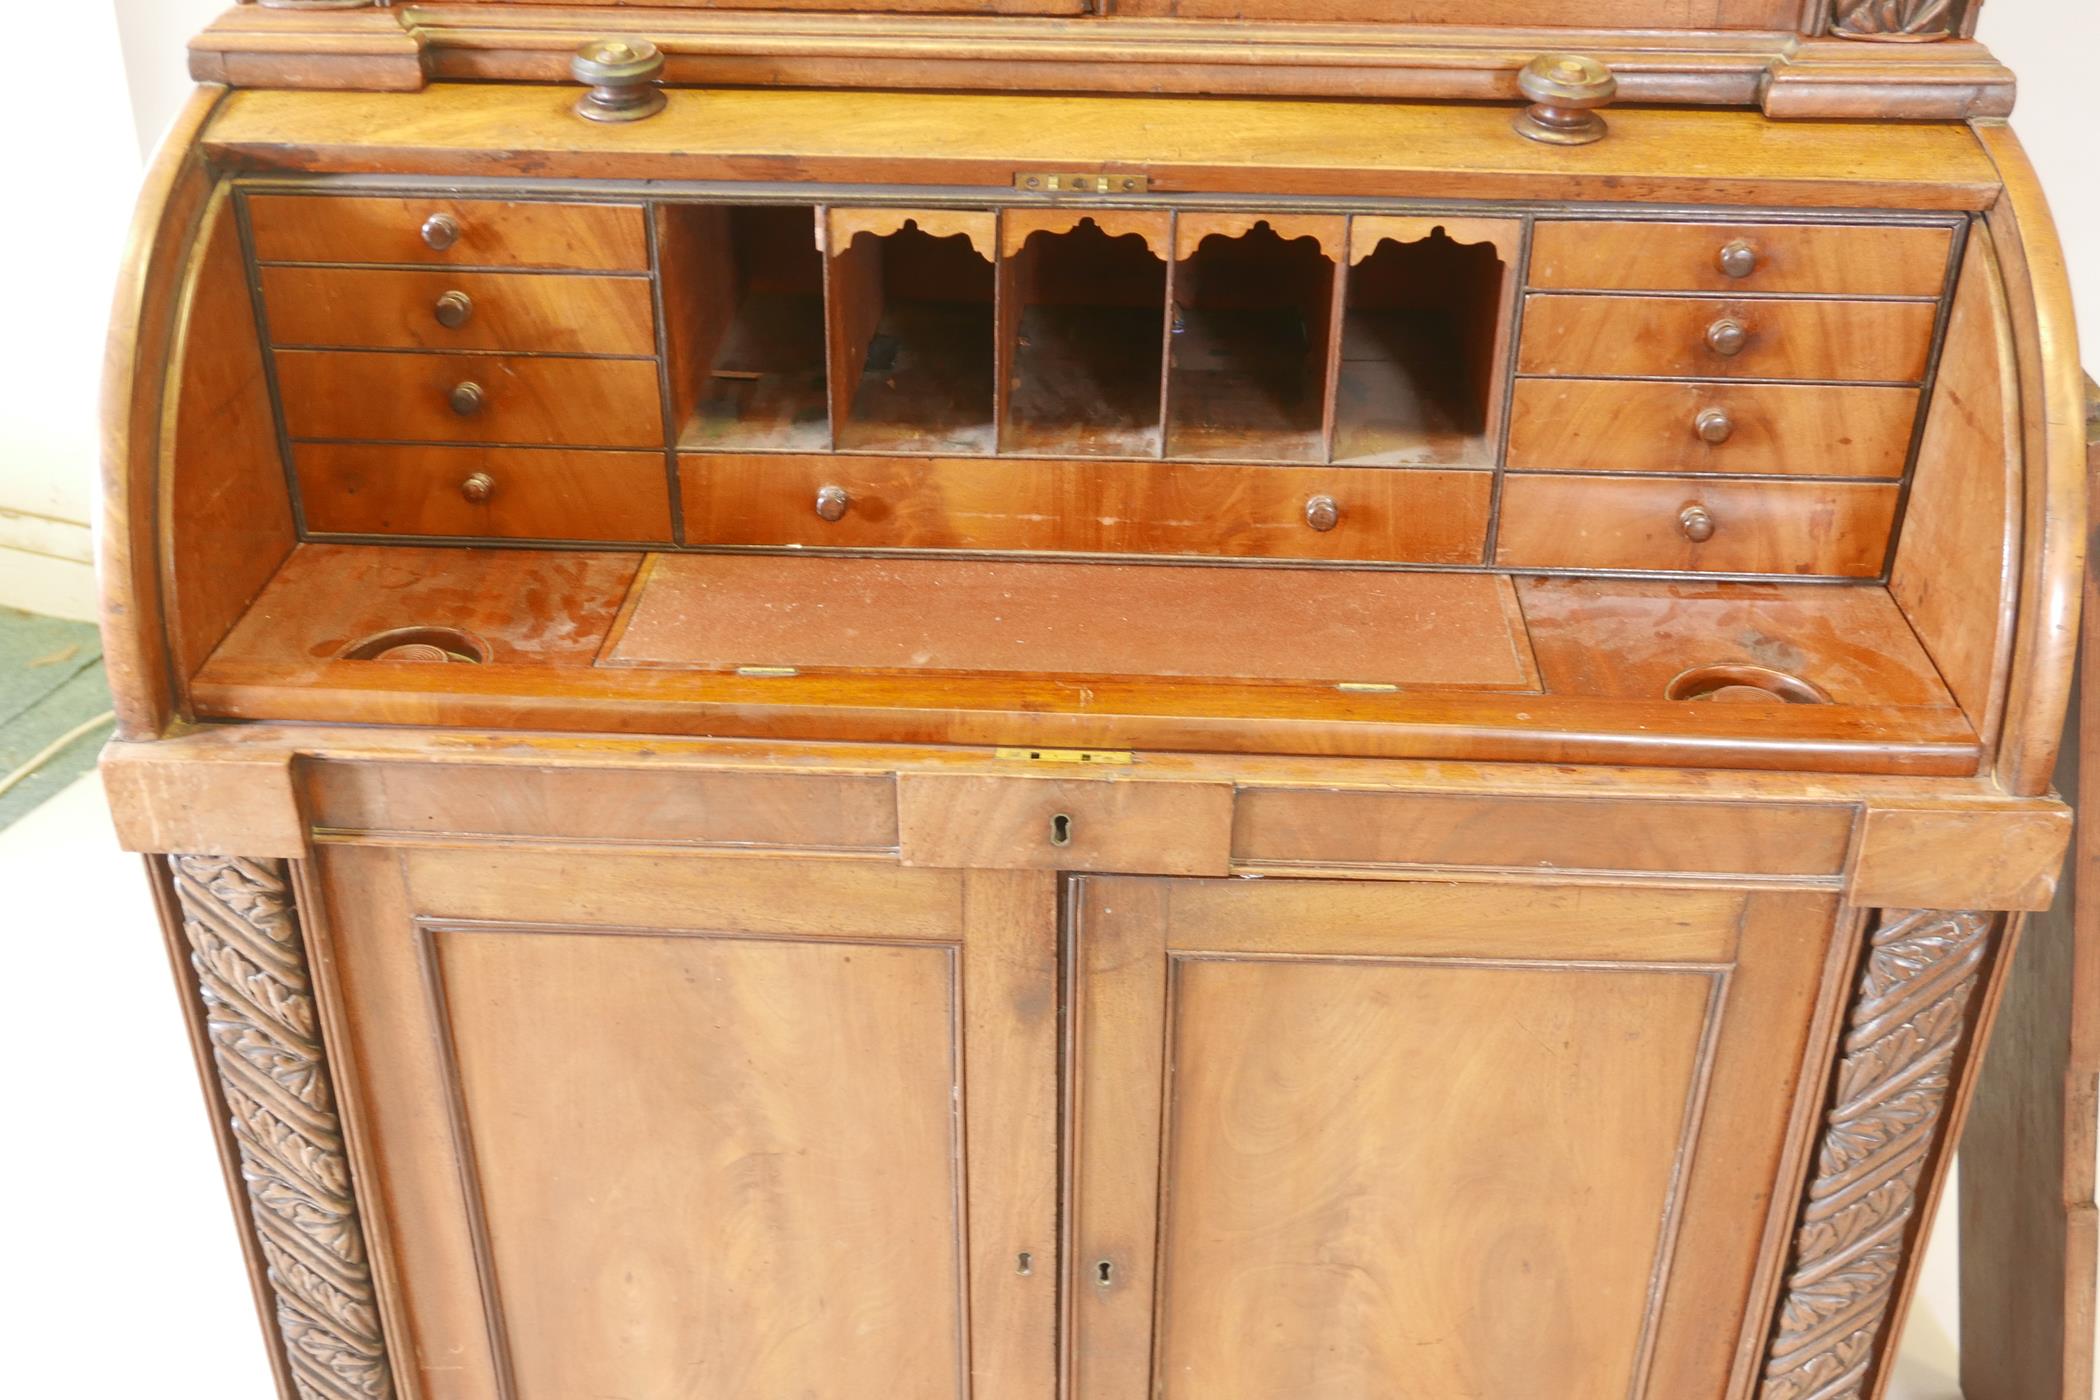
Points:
[(704, 1127), (1337, 1140)]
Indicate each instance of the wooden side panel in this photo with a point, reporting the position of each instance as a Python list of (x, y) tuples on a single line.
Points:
[(223, 492), (1957, 563)]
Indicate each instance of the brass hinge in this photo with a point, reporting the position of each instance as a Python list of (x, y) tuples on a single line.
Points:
[(1099, 758), (1045, 182)]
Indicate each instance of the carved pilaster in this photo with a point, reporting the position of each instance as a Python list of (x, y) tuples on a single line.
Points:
[(266, 1043), (1896, 20), (1908, 1023)]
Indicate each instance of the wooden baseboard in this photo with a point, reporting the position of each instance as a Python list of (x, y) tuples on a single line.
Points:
[(46, 566)]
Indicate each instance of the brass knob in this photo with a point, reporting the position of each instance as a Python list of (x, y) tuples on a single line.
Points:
[(1697, 522), (440, 231), (1323, 513), (1737, 259), (833, 503), (478, 487), (622, 74), (1565, 90), (453, 310), (468, 399), (1714, 425), (1727, 336)]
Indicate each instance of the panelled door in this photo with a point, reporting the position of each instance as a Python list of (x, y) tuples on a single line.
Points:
[(1336, 1140), (699, 1127)]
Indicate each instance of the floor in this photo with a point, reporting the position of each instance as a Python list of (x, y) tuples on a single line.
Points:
[(125, 1211), (54, 706)]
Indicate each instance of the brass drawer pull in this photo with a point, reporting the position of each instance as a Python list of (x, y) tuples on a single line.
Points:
[(1727, 336), (1697, 522), (1714, 426), (440, 231), (478, 487), (833, 503), (1737, 259), (468, 399), (1322, 513), (453, 310)]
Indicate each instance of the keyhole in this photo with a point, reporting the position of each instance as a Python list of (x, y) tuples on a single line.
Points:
[(1104, 1273), (1060, 830), (1025, 1265)]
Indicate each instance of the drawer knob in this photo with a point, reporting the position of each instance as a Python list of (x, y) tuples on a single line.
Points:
[(1714, 425), (1727, 336), (1697, 522), (1323, 513), (468, 399), (1565, 90), (1738, 258), (833, 503), (453, 310), (440, 231), (622, 74), (478, 487)]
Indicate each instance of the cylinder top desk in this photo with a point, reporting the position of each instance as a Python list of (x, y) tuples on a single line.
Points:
[(1092, 699)]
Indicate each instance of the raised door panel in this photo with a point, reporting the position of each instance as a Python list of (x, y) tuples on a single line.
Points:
[(1336, 1140), (700, 1126)]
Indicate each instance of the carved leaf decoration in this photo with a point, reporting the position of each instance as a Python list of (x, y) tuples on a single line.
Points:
[(1881, 19)]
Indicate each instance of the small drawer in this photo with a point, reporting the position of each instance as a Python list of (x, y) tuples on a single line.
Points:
[(967, 821), (1860, 260), (1712, 338), (1788, 528), (1620, 425), (1087, 507), (455, 232), (484, 493), (391, 309), (368, 395)]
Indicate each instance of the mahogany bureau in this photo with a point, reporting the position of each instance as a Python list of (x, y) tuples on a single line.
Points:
[(1021, 699)]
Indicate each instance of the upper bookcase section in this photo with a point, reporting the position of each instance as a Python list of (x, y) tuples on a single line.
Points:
[(1890, 59)]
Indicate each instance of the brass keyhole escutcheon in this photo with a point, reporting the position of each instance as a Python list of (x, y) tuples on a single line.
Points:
[(468, 399), (1714, 426), (1727, 336), (1737, 258), (440, 231), (453, 310), (478, 487), (1061, 830), (1697, 522), (1105, 1273)]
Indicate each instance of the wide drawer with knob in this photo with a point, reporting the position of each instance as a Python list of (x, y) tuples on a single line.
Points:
[(485, 493), (1087, 507), (1617, 425), (405, 309), (1847, 260), (1667, 337), (288, 228), (1833, 529), (523, 400)]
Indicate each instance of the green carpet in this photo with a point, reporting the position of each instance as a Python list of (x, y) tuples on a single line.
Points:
[(50, 681)]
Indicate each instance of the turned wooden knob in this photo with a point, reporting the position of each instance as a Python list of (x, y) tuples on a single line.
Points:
[(1714, 425), (1697, 522), (1737, 258), (622, 74), (478, 487), (1727, 336), (1323, 513), (1565, 90), (453, 310), (833, 503), (440, 231), (468, 399)]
